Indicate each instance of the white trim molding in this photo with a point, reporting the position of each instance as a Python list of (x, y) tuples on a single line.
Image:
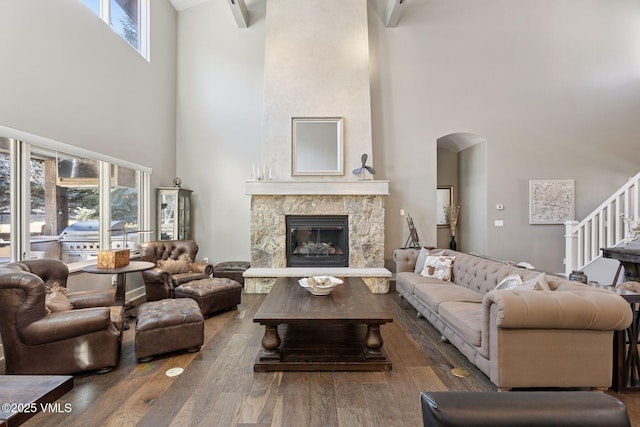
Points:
[(357, 188)]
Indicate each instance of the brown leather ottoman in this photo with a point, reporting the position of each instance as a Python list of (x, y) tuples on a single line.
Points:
[(168, 325), (211, 294), (231, 270)]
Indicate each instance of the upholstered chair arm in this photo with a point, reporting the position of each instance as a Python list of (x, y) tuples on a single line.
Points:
[(557, 310), (405, 259), (65, 324), (158, 284), (202, 267), (95, 298), (156, 275)]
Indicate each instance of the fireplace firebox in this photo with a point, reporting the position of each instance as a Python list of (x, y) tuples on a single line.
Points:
[(317, 240)]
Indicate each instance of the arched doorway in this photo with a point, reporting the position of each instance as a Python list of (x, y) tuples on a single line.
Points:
[(462, 165)]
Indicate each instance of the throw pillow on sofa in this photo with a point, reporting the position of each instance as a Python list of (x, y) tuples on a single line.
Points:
[(510, 282), (538, 283), (420, 260), (438, 267), (422, 255), (515, 282)]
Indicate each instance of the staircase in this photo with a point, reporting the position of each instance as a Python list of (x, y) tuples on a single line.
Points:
[(603, 228)]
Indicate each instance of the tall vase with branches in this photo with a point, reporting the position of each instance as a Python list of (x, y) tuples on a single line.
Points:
[(452, 214)]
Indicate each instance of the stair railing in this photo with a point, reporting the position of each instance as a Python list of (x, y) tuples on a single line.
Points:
[(603, 228)]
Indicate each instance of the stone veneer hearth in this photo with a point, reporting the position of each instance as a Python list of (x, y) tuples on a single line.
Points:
[(268, 235)]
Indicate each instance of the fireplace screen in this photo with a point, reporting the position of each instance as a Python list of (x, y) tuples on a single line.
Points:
[(317, 241)]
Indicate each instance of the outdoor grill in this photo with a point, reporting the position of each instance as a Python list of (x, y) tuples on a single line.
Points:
[(80, 240)]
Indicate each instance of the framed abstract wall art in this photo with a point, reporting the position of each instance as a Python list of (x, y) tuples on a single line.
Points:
[(551, 201)]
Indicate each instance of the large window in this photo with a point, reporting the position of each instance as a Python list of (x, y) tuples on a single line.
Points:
[(128, 18), (5, 200), (57, 204), (124, 208)]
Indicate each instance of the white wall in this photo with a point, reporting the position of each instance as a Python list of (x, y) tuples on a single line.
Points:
[(220, 105), (472, 194), (68, 77), (553, 85)]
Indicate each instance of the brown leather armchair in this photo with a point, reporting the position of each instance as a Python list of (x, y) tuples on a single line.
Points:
[(35, 342), (159, 281)]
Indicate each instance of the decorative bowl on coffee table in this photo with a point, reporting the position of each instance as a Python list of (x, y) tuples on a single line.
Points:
[(323, 284)]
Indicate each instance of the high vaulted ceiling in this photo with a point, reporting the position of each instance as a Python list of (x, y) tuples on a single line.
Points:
[(185, 4), (390, 14)]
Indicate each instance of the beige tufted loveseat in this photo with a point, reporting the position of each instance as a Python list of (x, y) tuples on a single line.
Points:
[(560, 337)]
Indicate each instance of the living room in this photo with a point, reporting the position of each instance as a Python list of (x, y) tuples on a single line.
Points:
[(534, 88), (548, 89)]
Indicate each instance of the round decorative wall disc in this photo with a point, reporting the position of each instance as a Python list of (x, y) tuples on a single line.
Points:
[(460, 372), (174, 372)]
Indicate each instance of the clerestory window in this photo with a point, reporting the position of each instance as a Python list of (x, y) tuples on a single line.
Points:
[(128, 18)]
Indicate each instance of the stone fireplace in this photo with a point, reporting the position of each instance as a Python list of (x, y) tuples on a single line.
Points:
[(316, 65), (360, 202)]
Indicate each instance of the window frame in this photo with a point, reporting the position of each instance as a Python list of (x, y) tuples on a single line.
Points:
[(20, 145), (142, 24)]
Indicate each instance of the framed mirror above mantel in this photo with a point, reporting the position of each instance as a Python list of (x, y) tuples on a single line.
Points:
[(317, 146)]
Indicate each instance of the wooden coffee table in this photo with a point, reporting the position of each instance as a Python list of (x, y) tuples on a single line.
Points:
[(337, 332)]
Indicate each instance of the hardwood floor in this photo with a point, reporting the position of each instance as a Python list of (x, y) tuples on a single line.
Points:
[(219, 388)]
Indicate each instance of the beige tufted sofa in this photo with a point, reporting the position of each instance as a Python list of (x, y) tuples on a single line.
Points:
[(518, 338)]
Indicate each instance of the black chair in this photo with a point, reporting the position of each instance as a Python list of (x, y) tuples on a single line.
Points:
[(522, 408)]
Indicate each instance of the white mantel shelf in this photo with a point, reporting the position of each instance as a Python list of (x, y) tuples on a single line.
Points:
[(317, 271), (357, 188)]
